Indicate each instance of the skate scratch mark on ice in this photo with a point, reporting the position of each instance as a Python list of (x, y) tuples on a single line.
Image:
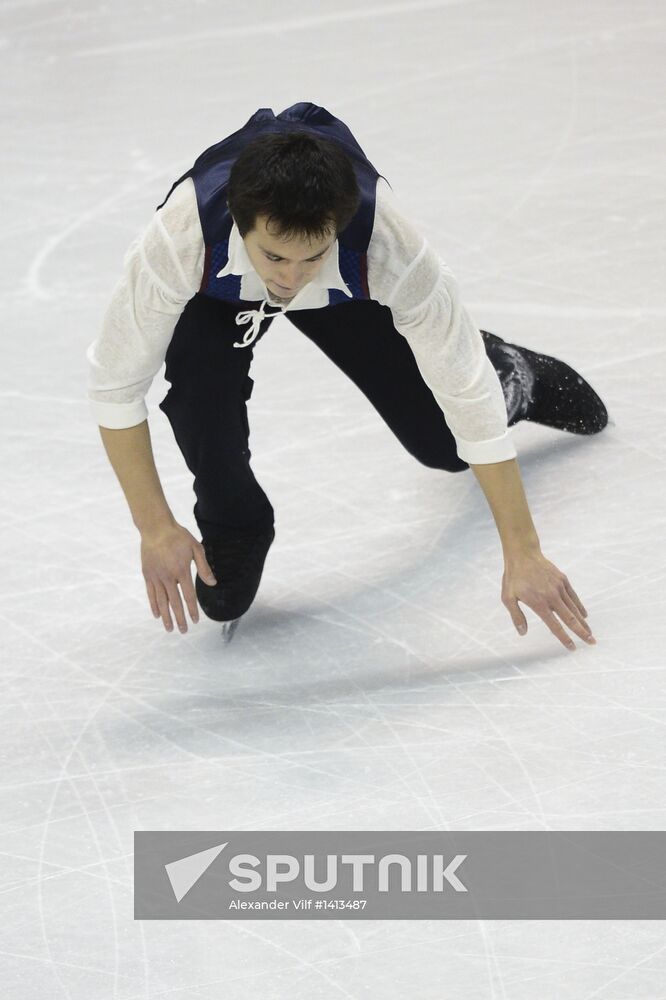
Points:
[(400, 775), (493, 966), (654, 458), (251, 752), (611, 702), (273, 27), (174, 765), (433, 809), (624, 973), (627, 358), (60, 963), (529, 185), (541, 817), (22, 4), (40, 398), (116, 688), (346, 928), (400, 599), (20, 520), (42, 878), (333, 435), (599, 813), (542, 310), (325, 492), (485, 63), (92, 826), (66, 19), (299, 814), (619, 585), (404, 779), (32, 284), (48, 819), (241, 928)]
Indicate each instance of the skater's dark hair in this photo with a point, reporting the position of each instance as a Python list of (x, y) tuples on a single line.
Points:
[(305, 185)]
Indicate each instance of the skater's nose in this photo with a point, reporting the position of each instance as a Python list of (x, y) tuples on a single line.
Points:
[(290, 277)]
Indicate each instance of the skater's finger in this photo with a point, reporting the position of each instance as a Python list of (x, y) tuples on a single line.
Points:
[(572, 620), (163, 605), (575, 609), (517, 616), (554, 625), (176, 605), (189, 594), (574, 597), (152, 600), (203, 569)]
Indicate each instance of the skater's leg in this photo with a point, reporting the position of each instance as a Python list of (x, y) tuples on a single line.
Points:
[(360, 338), (206, 407)]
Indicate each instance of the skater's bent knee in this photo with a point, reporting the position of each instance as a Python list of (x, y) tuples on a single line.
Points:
[(445, 463)]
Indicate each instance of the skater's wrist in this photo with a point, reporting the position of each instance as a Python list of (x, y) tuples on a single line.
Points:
[(151, 523), (521, 545)]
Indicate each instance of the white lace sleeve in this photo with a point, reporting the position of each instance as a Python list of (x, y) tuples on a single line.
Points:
[(162, 272), (405, 274)]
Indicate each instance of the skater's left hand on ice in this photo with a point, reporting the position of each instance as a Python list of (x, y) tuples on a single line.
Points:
[(528, 576), (535, 581)]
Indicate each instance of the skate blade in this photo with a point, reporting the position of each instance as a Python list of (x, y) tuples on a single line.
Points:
[(228, 629)]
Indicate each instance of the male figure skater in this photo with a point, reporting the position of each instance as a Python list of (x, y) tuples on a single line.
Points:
[(288, 216)]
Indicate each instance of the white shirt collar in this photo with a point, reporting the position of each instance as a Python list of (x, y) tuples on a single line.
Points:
[(239, 263)]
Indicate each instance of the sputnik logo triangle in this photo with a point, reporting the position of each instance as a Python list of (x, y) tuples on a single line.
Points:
[(186, 871)]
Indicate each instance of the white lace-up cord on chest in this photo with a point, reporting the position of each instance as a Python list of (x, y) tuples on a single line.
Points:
[(254, 317)]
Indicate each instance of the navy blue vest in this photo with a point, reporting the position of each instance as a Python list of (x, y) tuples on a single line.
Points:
[(210, 175)]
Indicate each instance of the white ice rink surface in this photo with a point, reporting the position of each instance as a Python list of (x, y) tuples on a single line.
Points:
[(378, 682)]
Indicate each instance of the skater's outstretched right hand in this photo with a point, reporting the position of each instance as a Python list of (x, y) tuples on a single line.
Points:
[(166, 556)]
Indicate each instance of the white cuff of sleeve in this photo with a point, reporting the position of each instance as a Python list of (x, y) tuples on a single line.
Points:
[(499, 449), (117, 416)]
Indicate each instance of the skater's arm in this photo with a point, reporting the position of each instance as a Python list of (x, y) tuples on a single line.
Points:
[(162, 272), (167, 548), (130, 453), (503, 488), (405, 274), (528, 576)]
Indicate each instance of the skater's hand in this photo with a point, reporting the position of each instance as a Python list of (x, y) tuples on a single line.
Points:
[(166, 556), (538, 583)]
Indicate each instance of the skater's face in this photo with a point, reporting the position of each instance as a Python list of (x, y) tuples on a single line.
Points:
[(285, 266)]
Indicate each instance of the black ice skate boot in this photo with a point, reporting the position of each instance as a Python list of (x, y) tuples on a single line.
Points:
[(546, 390), (236, 558)]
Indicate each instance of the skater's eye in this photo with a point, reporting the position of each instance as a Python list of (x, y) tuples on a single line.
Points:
[(273, 258)]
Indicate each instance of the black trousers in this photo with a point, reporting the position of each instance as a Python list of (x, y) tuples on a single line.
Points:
[(210, 385)]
